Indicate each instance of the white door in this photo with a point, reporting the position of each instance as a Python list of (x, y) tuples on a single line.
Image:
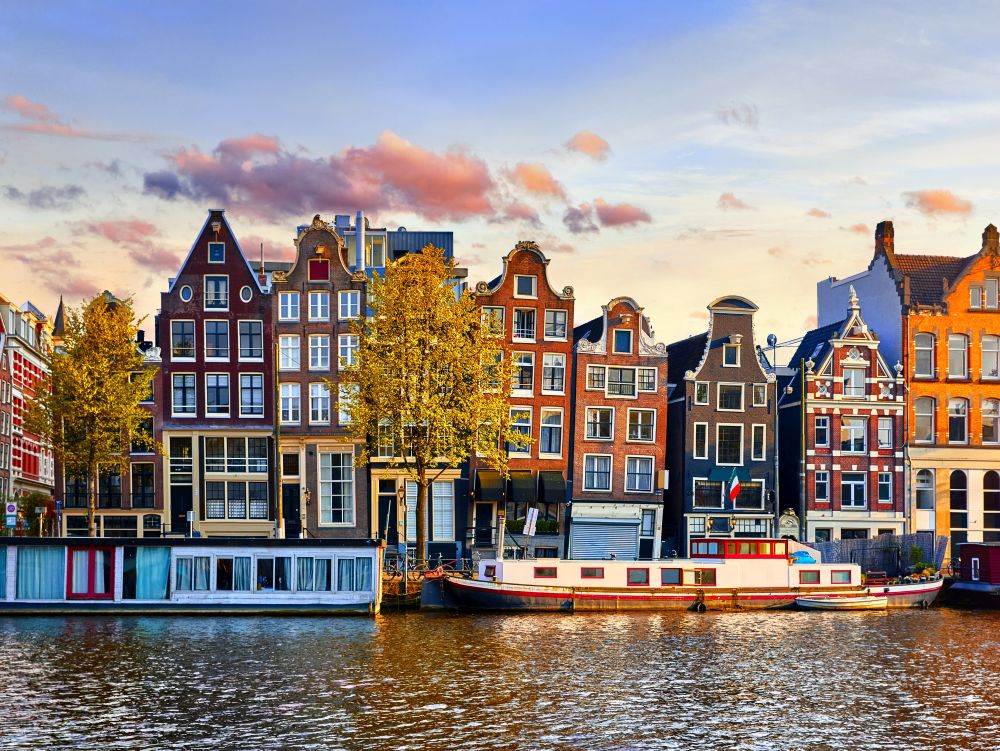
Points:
[(975, 569)]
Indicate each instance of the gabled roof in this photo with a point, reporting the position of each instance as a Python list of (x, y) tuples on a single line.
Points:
[(59, 326), (814, 346), (927, 275), (685, 355), (221, 213), (592, 330), (524, 246)]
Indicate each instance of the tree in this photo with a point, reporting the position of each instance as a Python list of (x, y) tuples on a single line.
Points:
[(88, 406), (431, 379)]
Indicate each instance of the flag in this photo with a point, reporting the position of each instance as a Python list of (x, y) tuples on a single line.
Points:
[(734, 487)]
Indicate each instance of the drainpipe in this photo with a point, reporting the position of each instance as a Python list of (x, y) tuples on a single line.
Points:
[(359, 236)]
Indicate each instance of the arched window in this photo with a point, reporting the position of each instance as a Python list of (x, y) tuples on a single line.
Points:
[(959, 491), (991, 506), (924, 361), (991, 421), (925, 489), (991, 357), (958, 420), (923, 424), (958, 356)]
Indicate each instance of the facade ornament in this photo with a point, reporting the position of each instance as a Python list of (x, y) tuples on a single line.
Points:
[(853, 300), (359, 276), (809, 366), (898, 367), (885, 391), (279, 276), (527, 245), (567, 291), (735, 338), (318, 223), (151, 355), (648, 346), (688, 375), (822, 388), (593, 348), (854, 355), (482, 288)]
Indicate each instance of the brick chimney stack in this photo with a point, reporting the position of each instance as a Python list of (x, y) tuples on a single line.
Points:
[(991, 239), (885, 240)]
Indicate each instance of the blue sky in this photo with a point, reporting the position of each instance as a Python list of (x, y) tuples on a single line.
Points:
[(752, 146)]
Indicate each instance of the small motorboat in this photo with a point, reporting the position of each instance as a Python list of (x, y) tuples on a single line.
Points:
[(842, 603)]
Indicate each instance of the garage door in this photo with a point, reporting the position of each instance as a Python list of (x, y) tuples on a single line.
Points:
[(598, 540)]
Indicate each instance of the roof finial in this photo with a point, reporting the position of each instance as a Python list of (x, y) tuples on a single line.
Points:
[(853, 300)]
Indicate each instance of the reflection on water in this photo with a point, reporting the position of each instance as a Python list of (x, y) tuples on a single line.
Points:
[(902, 680)]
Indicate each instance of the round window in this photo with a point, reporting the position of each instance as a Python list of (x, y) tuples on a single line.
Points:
[(186, 293), (246, 294)]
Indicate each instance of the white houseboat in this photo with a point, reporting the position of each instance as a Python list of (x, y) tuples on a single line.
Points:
[(41, 576), (720, 575)]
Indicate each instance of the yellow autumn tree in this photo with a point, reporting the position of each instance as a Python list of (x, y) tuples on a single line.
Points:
[(431, 381), (88, 407)]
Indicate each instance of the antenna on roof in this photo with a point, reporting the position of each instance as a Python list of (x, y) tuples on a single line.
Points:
[(261, 256)]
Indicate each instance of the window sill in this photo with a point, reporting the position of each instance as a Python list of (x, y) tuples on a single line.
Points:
[(597, 490), (554, 338)]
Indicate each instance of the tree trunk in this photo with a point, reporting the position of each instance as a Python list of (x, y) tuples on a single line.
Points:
[(92, 502), (421, 518)]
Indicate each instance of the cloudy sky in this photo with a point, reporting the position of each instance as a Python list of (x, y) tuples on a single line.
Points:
[(670, 152)]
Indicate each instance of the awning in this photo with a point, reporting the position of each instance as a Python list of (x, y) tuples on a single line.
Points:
[(725, 474), (551, 486), (522, 487), (489, 485)]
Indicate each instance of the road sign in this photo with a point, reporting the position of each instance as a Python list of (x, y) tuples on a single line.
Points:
[(10, 520), (11, 508), (529, 522)]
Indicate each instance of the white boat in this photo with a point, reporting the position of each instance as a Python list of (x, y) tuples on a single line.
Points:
[(842, 603)]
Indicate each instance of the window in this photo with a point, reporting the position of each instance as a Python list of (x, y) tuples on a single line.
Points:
[(647, 379), (193, 573), (751, 496), (524, 376), (600, 423), (670, 577), (852, 434), (232, 574), (621, 381), (975, 297), (216, 252), (730, 397), (924, 355), (217, 394), (345, 393), (854, 382), (822, 486), (525, 286), (704, 577), (319, 270), (700, 392), (288, 306), (319, 352), (348, 349), (639, 474), (493, 318), (555, 324), (648, 527), (143, 492), (958, 420), (991, 501), (216, 292), (246, 294), (290, 465), (184, 394), (524, 324), (520, 422), (336, 488), (251, 395), (958, 356), (809, 577), (701, 440), (186, 293), (991, 357), (443, 511), (251, 340), (374, 251), (350, 304), (550, 438), (926, 492), (182, 340), (319, 306), (991, 421), (760, 395), (991, 294), (91, 573), (729, 444), (823, 431), (236, 455), (958, 485), (553, 372), (290, 403), (596, 472), (545, 572), (623, 341), (641, 424), (885, 487), (923, 424), (885, 432), (707, 494), (595, 377), (288, 352), (217, 340), (319, 404), (592, 572), (731, 355), (852, 489), (638, 577), (758, 448)]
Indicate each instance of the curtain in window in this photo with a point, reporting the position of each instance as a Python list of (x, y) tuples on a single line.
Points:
[(202, 573), (283, 573), (241, 574), (3, 574), (363, 575), (81, 568), (152, 571), (322, 575), (305, 574), (444, 510), (345, 574), (41, 573), (183, 575), (102, 572)]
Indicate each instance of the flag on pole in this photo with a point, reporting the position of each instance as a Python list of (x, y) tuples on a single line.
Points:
[(734, 487)]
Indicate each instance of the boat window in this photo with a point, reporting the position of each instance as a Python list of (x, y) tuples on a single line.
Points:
[(490, 572), (638, 577), (704, 577), (232, 574), (746, 548), (779, 548), (274, 574), (591, 572), (146, 573), (840, 577), (808, 577), (322, 574), (545, 572), (91, 573), (193, 573), (730, 548), (765, 548), (41, 573), (713, 548), (354, 574), (304, 574), (670, 576)]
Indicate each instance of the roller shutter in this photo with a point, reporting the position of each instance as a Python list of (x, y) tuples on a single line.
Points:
[(597, 540)]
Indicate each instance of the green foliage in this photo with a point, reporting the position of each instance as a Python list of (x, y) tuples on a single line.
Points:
[(26, 505)]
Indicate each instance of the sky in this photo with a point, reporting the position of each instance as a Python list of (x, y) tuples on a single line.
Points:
[(671, 152)]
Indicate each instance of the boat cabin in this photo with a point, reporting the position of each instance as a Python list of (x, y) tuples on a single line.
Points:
[(716, 548), (979, 562)]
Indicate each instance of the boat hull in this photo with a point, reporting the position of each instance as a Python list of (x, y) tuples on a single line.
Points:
[(841, 603), (172, 608)]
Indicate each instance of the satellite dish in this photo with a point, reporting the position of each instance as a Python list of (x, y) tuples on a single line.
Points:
[(772, 340)]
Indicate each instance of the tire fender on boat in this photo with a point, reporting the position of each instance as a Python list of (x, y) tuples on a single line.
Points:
[(698, 605)]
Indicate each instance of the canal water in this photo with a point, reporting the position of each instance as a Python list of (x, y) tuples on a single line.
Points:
[(787, 680)]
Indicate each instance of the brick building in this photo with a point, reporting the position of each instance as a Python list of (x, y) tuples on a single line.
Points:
[(722, 426), (6, 414), (537, 323), (841, 433), (619, 435)]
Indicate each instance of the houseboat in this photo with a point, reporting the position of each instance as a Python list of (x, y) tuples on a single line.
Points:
[(41, 576), (978, 579), (719, 575)]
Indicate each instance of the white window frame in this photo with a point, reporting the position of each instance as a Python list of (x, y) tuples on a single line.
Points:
[(966, 421), (965, 356), (854, 506), (975, 298), (718, 397), (239, 334), (628, 429), (728, 347), (604, 370), (252, 415), (318, 393), (494, 313), (229, 394), (614, 341), (887, 476), (194, 343), (292, 392), (848, 423), (293, 353), (209, 252), (933, 416), (516, 388), (326, 493), (754, 430), (289, 306), (534, 286), (565, 325), (316, 298), (708, 393), (826, 421), (348, 298), (543, 411), (652, 472), (754, 388), (850, 388), (994, 373), (347, 343), (992, 293), (526, 451), (824, 482), (586, 424), (229, 339), (694, 437), (638, 380), (514, 335), (343, 419), (882, 420), (742, 443), (204, 286), (546, 356), (315, 349), (442, 511), (917, 349), (173, 402), (611, 472)]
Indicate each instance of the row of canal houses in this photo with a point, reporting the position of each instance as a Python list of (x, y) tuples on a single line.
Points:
[(882, 419)]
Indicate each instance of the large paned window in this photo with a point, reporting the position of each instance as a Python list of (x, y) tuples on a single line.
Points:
[(621, 382), (143, 487), (350, 304), (822, 486), (524, 323), (251, 340), (923, 419), (991, 503), (596, 472), (91, 573), (641, 424), (854, 382), (885, 487), (236, 454), (492, 318), (347, 349), (553, 372), (885, 432), (550, 437), (336, 488), (555, 324), (251, 395), (443, 512), (639, 474), (991, 357), (319, 404), (852, 490), (288, 306), (291, 403), (991, 421), (707, 494), (182, 340), (319, 352), (183, 399), (596, 377), (520, 422), (600, 423), (925, 490), (958, 486), (729, 444), (924, 355), (319, 306), (647, 379), (217, 394), (822, 431), (958, 356), (217, 340), (958, 420), (731, 397), (288, 352), (852, 434), (216, 292), (524, 376)]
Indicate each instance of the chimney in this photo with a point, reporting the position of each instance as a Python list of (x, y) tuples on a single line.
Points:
[(885, 241), (991, 239), (359, 235)]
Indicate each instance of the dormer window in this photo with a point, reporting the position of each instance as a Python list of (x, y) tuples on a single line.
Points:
[(623, 341), (375, 252), (216, 252), (525, 286), (731, 355)]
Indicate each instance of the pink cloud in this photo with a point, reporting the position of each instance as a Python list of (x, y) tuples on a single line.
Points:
[(619, 214), (125, 232), (537, 180), (247, 146), (136, 236), (936, 202), (728, 202), (273, 251), (43, 121), (579, 219), (859, 228), (818, 213), (30, 110), (519, 212), (589, 143), (53, 264)]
